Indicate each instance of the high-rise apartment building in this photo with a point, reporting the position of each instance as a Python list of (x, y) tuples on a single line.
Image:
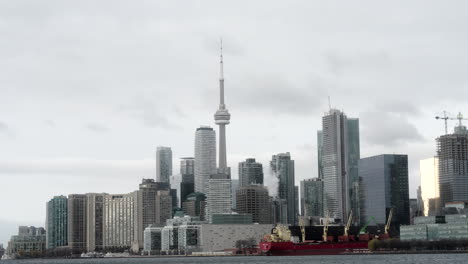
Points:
[(384, 186), (187, 172), (163, 164), (56, 222), (283, 168), (218, 199), (254, 200), (312, 197), (120, 229), (163, 207), (77, 219), (452, 152), (429, 169), (195, 205), (339, 155), (250, 173), (94, 221), (205, 157)]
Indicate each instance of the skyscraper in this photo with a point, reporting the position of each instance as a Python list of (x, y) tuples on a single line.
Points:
[(250, 172), (77, 222), (94, 221), (312, 197), (338, 164), (222, 118), (163, 207), (429, 169), (254, 200), (218, 199), (205, 157), (187, 186), (384, 185), (452, 151), (57, 222), (283, 168), (163, 164)]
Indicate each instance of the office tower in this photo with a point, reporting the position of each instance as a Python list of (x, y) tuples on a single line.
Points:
[(222, 118), (452, 152), (312, 197), (250, 172), (120, 228), (283, 168), (163, 164), (234, 188), (254, 200), (77, 222), (56, 222), (429, 169), (205, 157), (163, 207), (187, 186), (95, 221), (339, 155), (384, 185), (218, 199), (319, 153), (195, 205)]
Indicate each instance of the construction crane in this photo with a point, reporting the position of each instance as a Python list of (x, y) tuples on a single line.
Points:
[(445, 118), (389, 220), (348, 224), (301, 224)]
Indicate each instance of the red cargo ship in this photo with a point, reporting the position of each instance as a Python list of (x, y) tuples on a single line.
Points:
[(324, 248)]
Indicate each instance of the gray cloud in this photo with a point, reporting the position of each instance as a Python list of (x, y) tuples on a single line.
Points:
[(3, 128), (49, 123), (149, 113), (95, 127)]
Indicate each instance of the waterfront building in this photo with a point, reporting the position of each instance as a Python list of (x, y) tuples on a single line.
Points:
[(163, 207), (218, 195), (187, 186), (152, 240), (205, 157), (436, 228), (56, 222), (429, 169), (195, 205), (452, 153), (163, 164), (312, 197), (32, 241), (231, 219), (95, 222), (254, 200), (283, 168), (338, 156), (250, 173), (77, 220), (120, 228), (384, 186)]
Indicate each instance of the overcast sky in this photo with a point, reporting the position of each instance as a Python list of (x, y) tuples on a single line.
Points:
[(88, 89)]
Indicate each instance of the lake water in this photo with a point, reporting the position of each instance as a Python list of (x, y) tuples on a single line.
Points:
[(360, 259)]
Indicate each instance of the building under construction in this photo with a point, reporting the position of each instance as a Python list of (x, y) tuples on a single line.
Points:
[(452, 151)]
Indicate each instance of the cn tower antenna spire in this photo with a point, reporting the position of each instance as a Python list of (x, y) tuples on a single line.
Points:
[(221, 70)]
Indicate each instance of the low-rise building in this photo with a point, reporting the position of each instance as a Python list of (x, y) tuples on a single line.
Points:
[(435, 228), (31, 242)]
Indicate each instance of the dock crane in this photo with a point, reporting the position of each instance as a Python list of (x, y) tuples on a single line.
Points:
[(389, 221), (345, 237), (301, 224), (325, 229), (445, 118)]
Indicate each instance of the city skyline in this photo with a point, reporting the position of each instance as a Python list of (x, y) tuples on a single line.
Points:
[(73, 123)]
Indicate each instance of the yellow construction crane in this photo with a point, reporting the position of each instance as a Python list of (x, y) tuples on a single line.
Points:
[(348, 224), (389, 220)]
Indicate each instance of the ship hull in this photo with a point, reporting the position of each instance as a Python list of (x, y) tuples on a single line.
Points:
[(299, 249)]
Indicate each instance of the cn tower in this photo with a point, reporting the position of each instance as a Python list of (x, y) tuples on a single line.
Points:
[(222, 118)]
